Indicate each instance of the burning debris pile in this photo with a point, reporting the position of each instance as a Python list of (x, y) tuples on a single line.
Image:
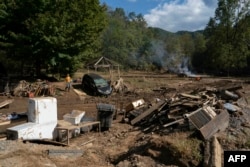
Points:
[(208, 110), (26, 89)]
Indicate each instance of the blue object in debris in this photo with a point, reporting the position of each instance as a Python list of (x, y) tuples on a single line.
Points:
[(13, 116)]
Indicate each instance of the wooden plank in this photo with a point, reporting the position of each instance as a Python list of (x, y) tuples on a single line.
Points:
[(147, 112), (87, 142), (37, 91), (161, 107), (179, 102), (190, 96), (5, 122), (6, 102), (174, 110), (174, 116), (174, 122), (81, 125), (191, 104)]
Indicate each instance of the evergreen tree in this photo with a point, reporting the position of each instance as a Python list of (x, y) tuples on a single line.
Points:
[(51, 33), (125, 40), (226, 49)]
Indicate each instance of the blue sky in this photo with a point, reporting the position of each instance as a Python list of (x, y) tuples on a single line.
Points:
[(170, 15)]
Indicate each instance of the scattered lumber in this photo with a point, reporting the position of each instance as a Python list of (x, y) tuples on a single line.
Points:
[(38, 88), (147, 112), (206, 110)]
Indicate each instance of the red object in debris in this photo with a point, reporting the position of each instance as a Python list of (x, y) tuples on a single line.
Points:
[(197, 78), (31, 94)]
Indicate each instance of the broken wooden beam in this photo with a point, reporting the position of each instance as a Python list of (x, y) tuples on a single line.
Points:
[(174, 122)]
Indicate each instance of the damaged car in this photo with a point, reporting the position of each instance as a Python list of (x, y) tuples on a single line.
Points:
[(96, 85)]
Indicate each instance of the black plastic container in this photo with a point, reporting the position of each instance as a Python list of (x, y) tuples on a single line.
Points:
[(105, 115)]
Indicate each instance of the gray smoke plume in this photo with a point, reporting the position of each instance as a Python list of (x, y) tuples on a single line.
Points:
[(176, 63)]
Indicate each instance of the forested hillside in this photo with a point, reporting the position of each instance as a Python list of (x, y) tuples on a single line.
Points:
[(62, 36)]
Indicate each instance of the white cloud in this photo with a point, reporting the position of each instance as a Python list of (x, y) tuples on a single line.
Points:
[(175, 16)]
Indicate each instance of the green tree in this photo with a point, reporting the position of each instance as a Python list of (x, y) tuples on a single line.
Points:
[(125, 39), (226, 49), (187, 44), (199, 52), (51, 34)]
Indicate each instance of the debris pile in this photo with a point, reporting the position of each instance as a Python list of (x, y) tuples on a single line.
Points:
[(38, 88), (208, 110)]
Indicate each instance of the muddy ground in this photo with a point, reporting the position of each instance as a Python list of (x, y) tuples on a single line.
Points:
[(122, 145)]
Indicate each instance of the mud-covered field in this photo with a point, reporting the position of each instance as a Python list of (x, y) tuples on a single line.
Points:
[(123, 145)]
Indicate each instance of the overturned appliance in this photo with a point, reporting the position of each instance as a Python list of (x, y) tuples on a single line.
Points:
[(208, 122), (42, 120)]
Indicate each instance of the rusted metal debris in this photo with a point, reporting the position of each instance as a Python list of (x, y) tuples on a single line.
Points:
[(207, 110)]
